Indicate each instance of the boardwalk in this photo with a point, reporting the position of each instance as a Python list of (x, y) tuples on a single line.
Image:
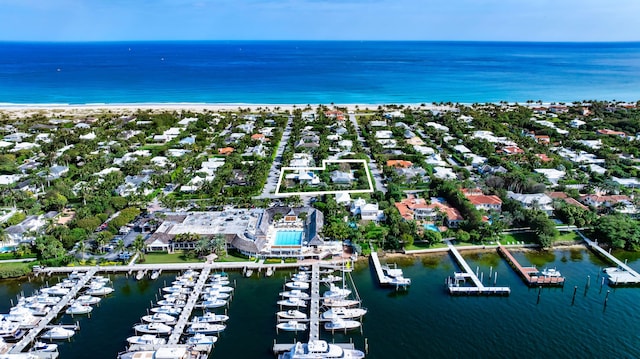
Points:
[(623, 274), (178, 329), (53, 313), (382, 278), (529, 274), (478, 287)]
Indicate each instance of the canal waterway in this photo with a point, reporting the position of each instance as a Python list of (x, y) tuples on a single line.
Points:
[(421, 322)]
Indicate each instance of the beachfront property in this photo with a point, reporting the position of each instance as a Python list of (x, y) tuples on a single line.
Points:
[(273, 232)]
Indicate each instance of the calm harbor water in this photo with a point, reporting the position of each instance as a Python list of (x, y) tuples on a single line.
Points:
[(422, 322)]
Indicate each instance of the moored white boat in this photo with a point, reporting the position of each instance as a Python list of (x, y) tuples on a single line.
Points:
[(55, 290), (297, 285), (292, 326), (58, 333), (202, 339), (320, 349), (209, 317), (78, 309), (172, 302), (153, 328), (146, 339), (99, 289), (159, 318), (292, 302), (205, 328), (41, 347), (213, 303), (333, 303), (166, 310), (550, 272), (344, 313), (295, 293), (336, 292), (341, 324), (87, 300), (291, 314)]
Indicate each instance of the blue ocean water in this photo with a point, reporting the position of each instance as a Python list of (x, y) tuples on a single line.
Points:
[(285, 72)]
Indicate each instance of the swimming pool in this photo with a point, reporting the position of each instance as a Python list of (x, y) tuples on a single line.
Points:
[(431, 227), (288, 238), (7, 249)]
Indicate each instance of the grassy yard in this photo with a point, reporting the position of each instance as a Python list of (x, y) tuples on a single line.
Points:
[(11, 270), (511, 238), (568, 237), (233, 258), (162, 258)]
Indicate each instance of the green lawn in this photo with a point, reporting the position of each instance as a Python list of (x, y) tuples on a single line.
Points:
[(233, 258), (11, 270), (161, 258), (527, 238), (568, 237)]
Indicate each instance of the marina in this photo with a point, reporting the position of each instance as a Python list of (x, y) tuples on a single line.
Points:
[(531, 275), (478, 287)]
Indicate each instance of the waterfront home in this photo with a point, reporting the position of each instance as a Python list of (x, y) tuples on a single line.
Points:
[(568, 200), (367, 211), (27, 230), (418, 209), (539, 201), (619, 203)]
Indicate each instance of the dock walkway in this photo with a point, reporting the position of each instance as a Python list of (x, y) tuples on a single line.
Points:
[(53, 313), (178, 329), (382, 278), (478, 287), (624, 275), (314, 311), (529, 274)]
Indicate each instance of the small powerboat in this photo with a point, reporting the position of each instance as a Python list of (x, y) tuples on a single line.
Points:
[(78, 309), (41, 347), (206, 328), (291, 314), (209, 317), (58, 333), (153, 328), (295, 293), (550, 272), (292, 326), (167, 310), (297, 285), (320, 349), (146, 339), (160, 318), (292, 302), (87, 300), (344, 313), (202, 339), (341, 324)]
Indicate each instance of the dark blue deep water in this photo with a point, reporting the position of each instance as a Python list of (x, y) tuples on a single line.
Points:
[(307, 72)]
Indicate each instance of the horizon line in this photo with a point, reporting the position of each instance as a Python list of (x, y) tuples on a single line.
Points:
[(330, 40)]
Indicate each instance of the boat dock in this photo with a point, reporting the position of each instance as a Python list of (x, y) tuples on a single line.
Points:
[(314, 310), (384, 279), (623, 274), (178, 329), (530, 275), (31, 336), (478, 288)]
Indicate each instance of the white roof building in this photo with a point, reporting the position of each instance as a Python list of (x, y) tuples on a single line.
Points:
[(552, 174)]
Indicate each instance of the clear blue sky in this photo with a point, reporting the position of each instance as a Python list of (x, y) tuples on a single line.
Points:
[(500, 20)]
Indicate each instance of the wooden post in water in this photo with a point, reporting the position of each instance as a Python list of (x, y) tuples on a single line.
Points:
[(588, 281), (490, 272), (539, 292), (496, 278), (575, 289)]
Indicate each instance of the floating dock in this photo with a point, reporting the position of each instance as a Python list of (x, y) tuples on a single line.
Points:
[(623, 274), (478, 288), (530, 275), (32, 335)]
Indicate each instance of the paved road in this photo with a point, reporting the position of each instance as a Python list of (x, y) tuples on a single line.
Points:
[(274, 172), (377, 175)]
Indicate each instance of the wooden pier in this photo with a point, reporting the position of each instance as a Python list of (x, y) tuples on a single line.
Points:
[(478, 288), (623, 274), (382, 278), (530, 275), (53, 313), (178, 329)]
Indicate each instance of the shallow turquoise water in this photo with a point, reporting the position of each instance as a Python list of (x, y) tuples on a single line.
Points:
[(422, 322)]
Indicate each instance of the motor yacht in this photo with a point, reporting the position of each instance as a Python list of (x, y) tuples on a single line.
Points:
[(167, 310), (295, 293), (153, 328), (320, 349), (58, 333), (87, 300), (344, 313), (291, 314), (550, 272), (99, 289), (146, 339), (292, 302), (78, 309), (336, 292), (202, 339), (212, 303), (333, 303), (56, 290), (160, 318), (292, 326), (209, 317), (41, 347), (205, 328), (341, 324), (297, 285)]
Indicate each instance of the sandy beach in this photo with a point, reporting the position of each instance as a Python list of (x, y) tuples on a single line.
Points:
[(15, 111)]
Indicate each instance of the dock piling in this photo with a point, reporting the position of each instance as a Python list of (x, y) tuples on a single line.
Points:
[(575, 289)]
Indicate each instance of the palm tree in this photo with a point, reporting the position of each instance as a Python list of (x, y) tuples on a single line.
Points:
[(82, 248), (220, 245), (139, 245), (120, 246)]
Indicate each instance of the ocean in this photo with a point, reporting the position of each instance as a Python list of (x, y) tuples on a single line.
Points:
[(312, 72), (423, 322)]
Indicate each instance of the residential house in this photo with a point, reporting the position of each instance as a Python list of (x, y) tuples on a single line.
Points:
[(564, 197), (56, 172), (552, 175), (539, 201), (482, 201), (399, 164), (415, 141), (510, 150), (627, 182), (225, 151), (384, 134), (340, 177), (132, 185), (607, 132), (301, 160), (302, 176), (418, 209), (367, 211), (576, 123)]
